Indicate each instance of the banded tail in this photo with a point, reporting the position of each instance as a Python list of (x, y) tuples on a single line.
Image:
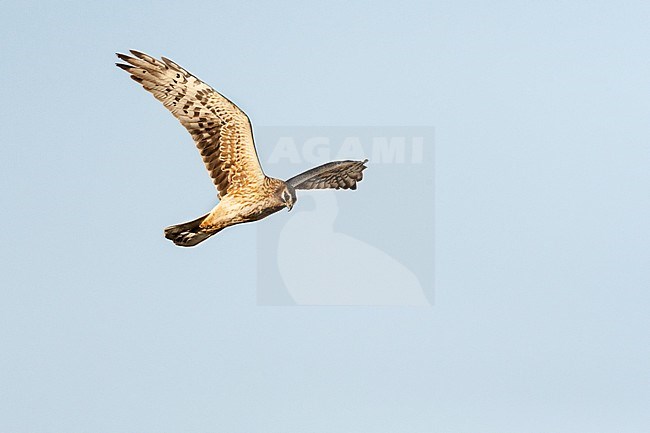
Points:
[(188, 234)]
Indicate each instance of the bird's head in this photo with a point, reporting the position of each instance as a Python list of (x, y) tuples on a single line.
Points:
[(287, 195)]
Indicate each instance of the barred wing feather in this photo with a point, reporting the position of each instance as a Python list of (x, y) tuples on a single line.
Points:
[(222, 132), (336, 175)]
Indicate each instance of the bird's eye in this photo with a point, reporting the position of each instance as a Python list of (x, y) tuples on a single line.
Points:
[(285, 196)]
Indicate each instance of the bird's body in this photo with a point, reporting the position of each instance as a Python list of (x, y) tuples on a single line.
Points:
[(224, 137), (242, 208)]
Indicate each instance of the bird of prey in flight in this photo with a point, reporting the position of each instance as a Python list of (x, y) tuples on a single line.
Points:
[(223, 134)]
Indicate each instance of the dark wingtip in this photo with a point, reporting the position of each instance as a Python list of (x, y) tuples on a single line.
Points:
[(124, 57), (138, 54), (125, 67)]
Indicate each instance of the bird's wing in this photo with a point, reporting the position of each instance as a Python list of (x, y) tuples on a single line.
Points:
[(337, 175), (221, 130)]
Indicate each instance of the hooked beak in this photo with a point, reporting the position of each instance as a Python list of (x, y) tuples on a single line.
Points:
[(289, 206)]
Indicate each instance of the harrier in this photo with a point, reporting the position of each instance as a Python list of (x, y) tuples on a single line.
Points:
[(223, 134)]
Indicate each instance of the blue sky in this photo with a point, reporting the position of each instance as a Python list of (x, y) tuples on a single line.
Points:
[(540, 320)]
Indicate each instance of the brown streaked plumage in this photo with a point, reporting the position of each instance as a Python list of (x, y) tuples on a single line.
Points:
[(223, 134)]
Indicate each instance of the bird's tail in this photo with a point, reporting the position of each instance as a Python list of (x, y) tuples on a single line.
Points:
[(188, 234)]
